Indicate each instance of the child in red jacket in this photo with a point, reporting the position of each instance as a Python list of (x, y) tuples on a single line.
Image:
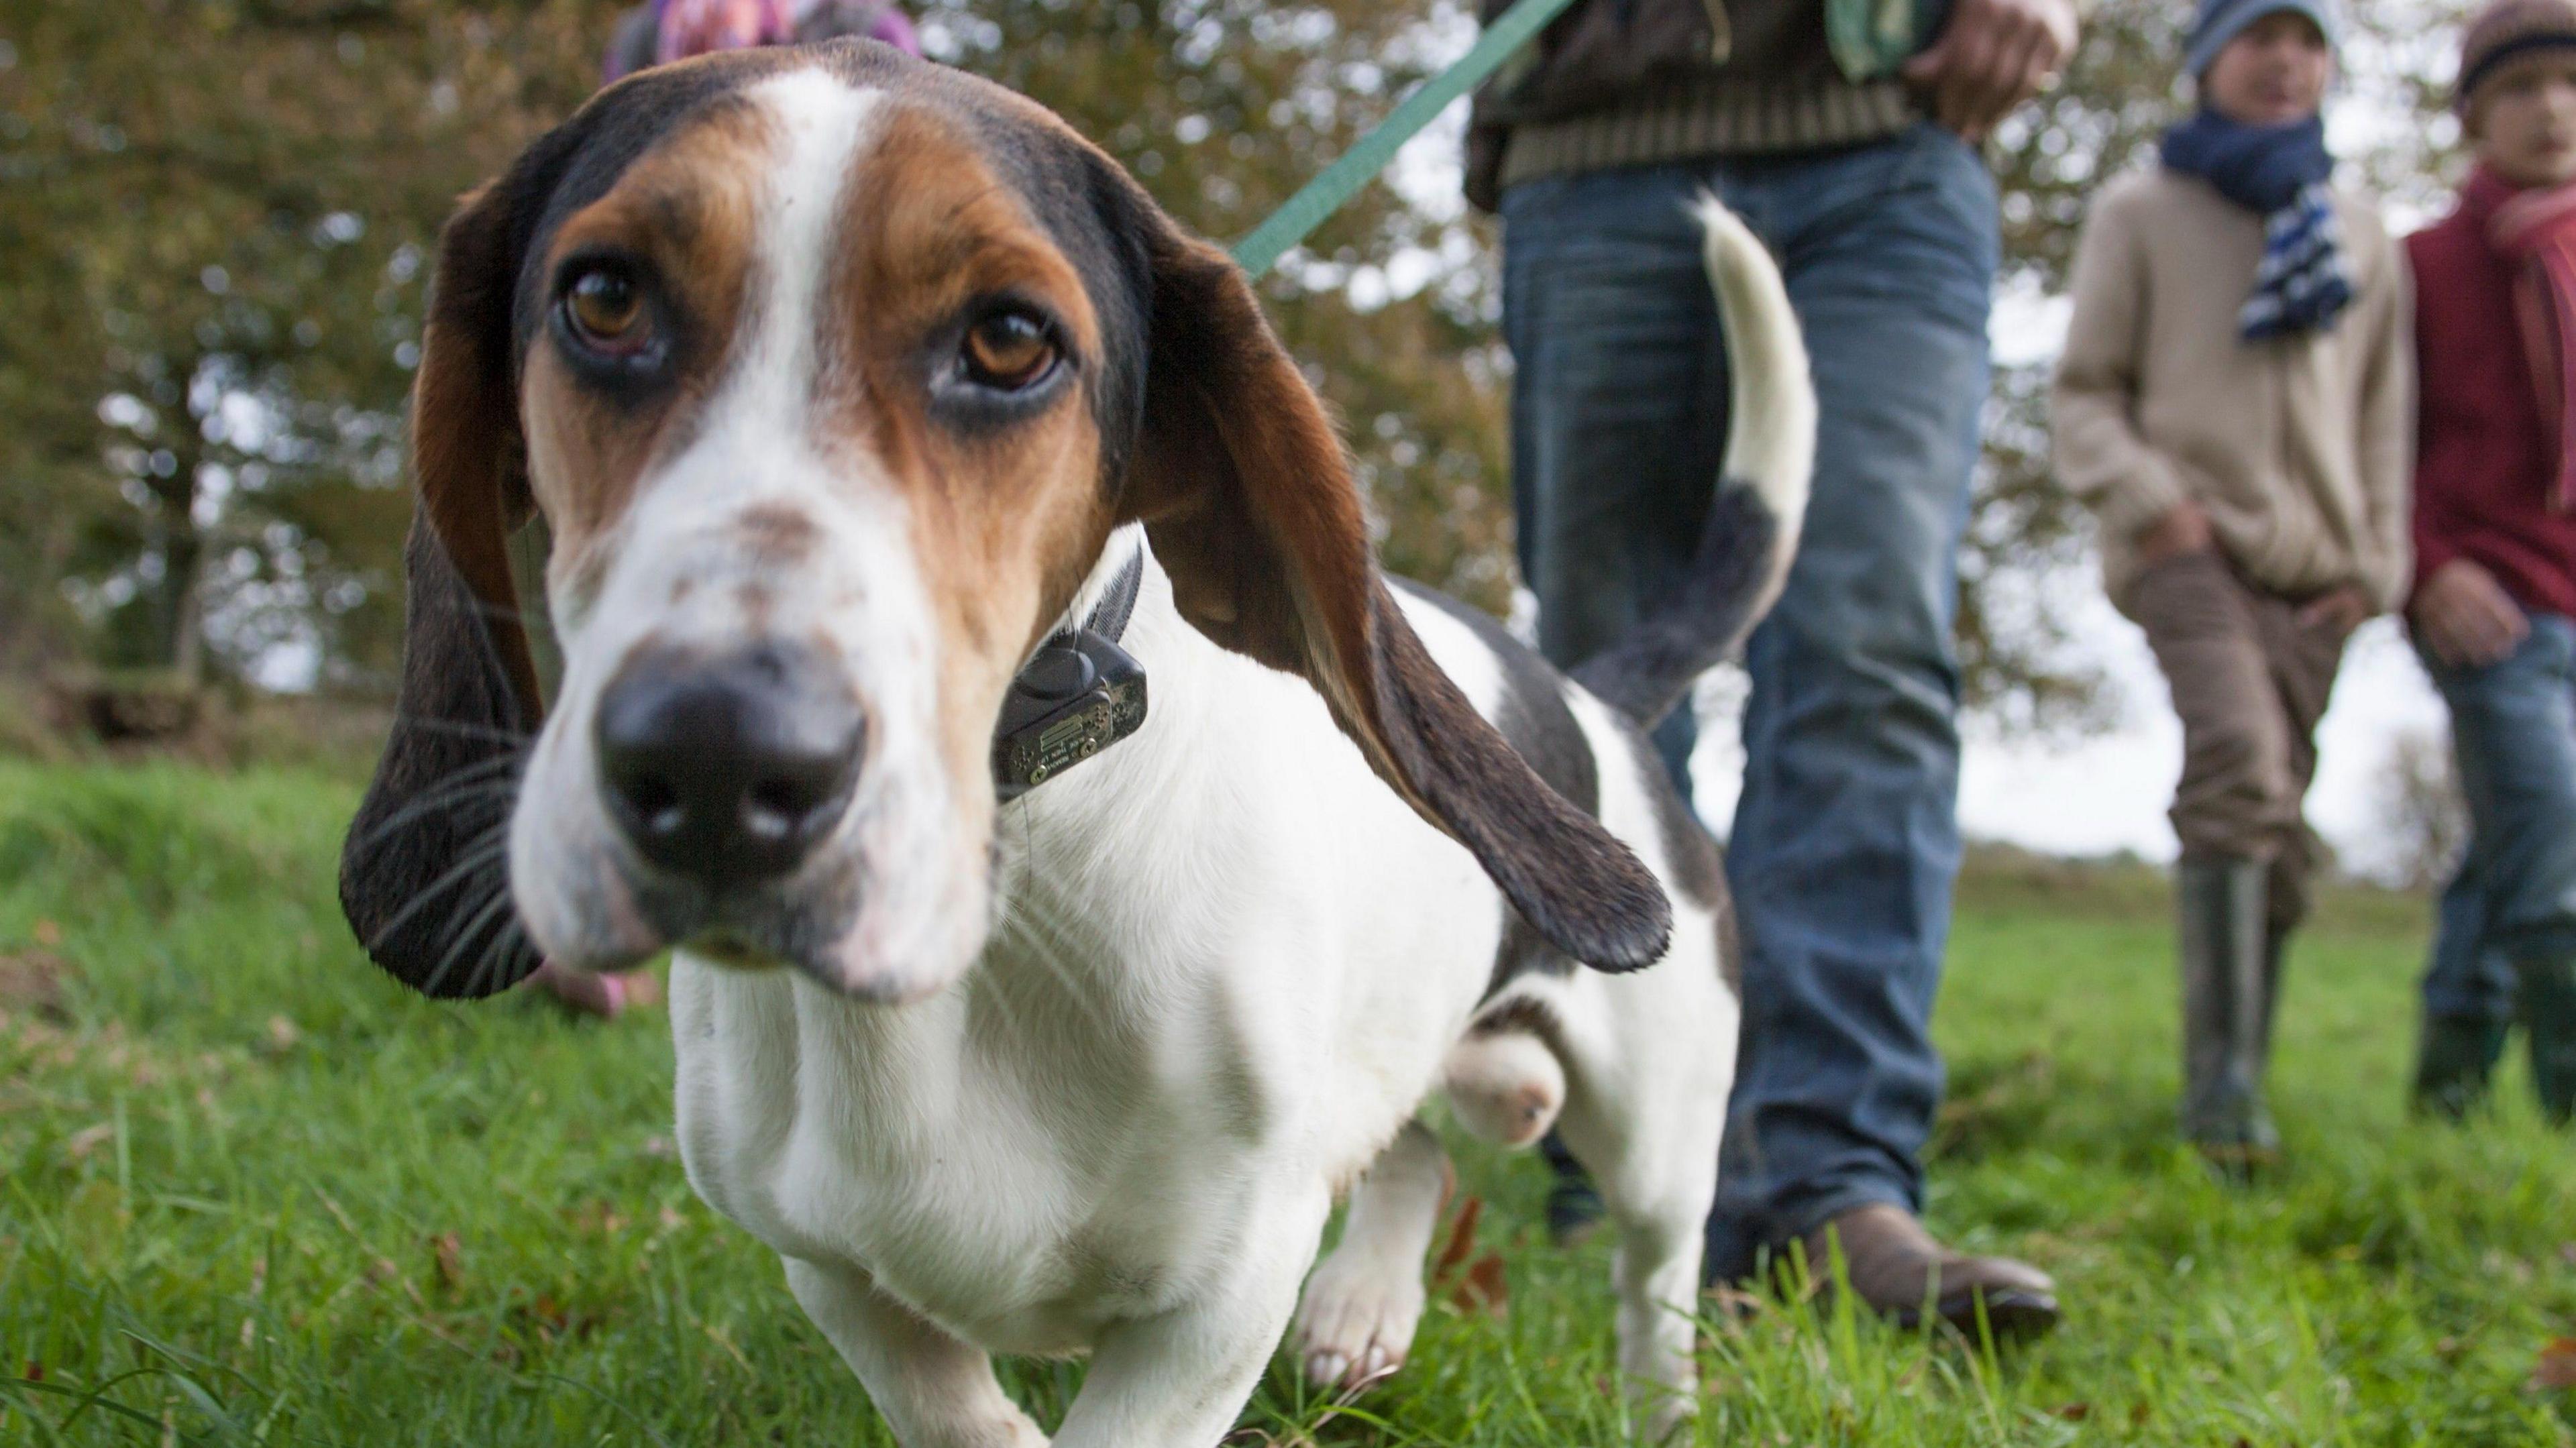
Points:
[(2494, 608)]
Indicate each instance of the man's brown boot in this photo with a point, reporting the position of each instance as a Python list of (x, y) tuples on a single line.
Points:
[(1896, 1268)]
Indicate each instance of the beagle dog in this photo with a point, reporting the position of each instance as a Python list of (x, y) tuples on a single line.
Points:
[(845, 386)]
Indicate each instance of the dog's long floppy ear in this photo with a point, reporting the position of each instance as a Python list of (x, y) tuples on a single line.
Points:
[(1250, 504), (424, 875)]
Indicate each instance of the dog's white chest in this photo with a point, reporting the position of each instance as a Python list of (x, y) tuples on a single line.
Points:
[(1020, 1201)]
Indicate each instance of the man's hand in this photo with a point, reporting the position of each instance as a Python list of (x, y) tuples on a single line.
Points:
[(2465, 617), (2184, 530), (2343, 610), (1992, 56)]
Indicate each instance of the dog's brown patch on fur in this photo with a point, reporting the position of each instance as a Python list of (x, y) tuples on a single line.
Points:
[(1005, 519), (686, 212), (468, 460), (776, 535)]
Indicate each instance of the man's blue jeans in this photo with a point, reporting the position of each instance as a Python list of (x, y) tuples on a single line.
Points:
[(1846, 839), (2513, 727)]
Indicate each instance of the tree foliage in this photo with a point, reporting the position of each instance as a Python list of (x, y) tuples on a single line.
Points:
[(215, 235), (216, 216)]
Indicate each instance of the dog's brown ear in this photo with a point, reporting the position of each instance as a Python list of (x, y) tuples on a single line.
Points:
[(1251, 506), (424, 875), (468, 457)]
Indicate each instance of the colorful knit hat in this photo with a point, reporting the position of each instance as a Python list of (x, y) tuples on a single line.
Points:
[(2221, 21), (2505, 29)]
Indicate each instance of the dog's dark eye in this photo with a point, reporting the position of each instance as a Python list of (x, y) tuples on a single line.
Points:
[(605, 310), (1008, 350)]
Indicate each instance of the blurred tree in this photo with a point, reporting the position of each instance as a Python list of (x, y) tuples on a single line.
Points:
[(215, 242), (1223, 108), (218, 213), (2028, 542), (2422, 814), (217, 235)]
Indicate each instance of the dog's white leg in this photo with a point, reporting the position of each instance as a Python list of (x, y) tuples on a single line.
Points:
[(1656, 1274), (1649, 1138), (1362, 1304), (934, 1391), (1180, 1379)]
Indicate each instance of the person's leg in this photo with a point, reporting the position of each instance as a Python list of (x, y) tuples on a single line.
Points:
[(2515, 727), (2465, 979), (2236, 813), (2468, 984), (1846, 837), (1619, 401), (2305, 658), (2467, 1005)]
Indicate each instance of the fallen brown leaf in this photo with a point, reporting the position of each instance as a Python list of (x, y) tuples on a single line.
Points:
[(1484, 1288), (32, 981), (2076, 1412), (1462, 1239), (551, 1320), (1735, 1306), (445, 1254), (2556, 1370)]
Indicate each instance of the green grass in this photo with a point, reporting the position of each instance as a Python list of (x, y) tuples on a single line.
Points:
[(251, 1192)]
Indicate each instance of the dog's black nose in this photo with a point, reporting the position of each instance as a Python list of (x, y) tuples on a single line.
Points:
[(728, 770)]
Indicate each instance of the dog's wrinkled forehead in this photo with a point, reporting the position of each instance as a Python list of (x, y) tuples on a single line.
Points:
[(702, 129)]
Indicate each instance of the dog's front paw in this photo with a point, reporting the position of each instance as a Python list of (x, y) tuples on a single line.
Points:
[(1357, 1321)]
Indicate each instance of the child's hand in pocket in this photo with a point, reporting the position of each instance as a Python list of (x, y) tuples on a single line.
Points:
[(2343, 610), (2465, 618)]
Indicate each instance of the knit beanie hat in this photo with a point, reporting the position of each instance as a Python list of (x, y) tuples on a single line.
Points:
[(2505, 29), (2221, 21)]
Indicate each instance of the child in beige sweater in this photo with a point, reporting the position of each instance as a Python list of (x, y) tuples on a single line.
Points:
[(2234, 404)]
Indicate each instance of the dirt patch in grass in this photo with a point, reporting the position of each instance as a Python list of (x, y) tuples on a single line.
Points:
[(32, 982)]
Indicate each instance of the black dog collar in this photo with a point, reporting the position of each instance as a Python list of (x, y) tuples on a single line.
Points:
[(1077, 696)]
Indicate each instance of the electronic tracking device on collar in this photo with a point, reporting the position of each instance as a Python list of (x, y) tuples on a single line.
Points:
[(1077, 696)]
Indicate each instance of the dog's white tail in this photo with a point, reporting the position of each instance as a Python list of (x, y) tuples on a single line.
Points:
[(1771, 436), (1761, 499)]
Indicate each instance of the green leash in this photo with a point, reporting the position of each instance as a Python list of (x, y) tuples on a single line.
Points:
[(1339, 182)]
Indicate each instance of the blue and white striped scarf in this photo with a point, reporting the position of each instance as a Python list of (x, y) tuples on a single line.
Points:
[(2300, 284), (2279, 172)]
